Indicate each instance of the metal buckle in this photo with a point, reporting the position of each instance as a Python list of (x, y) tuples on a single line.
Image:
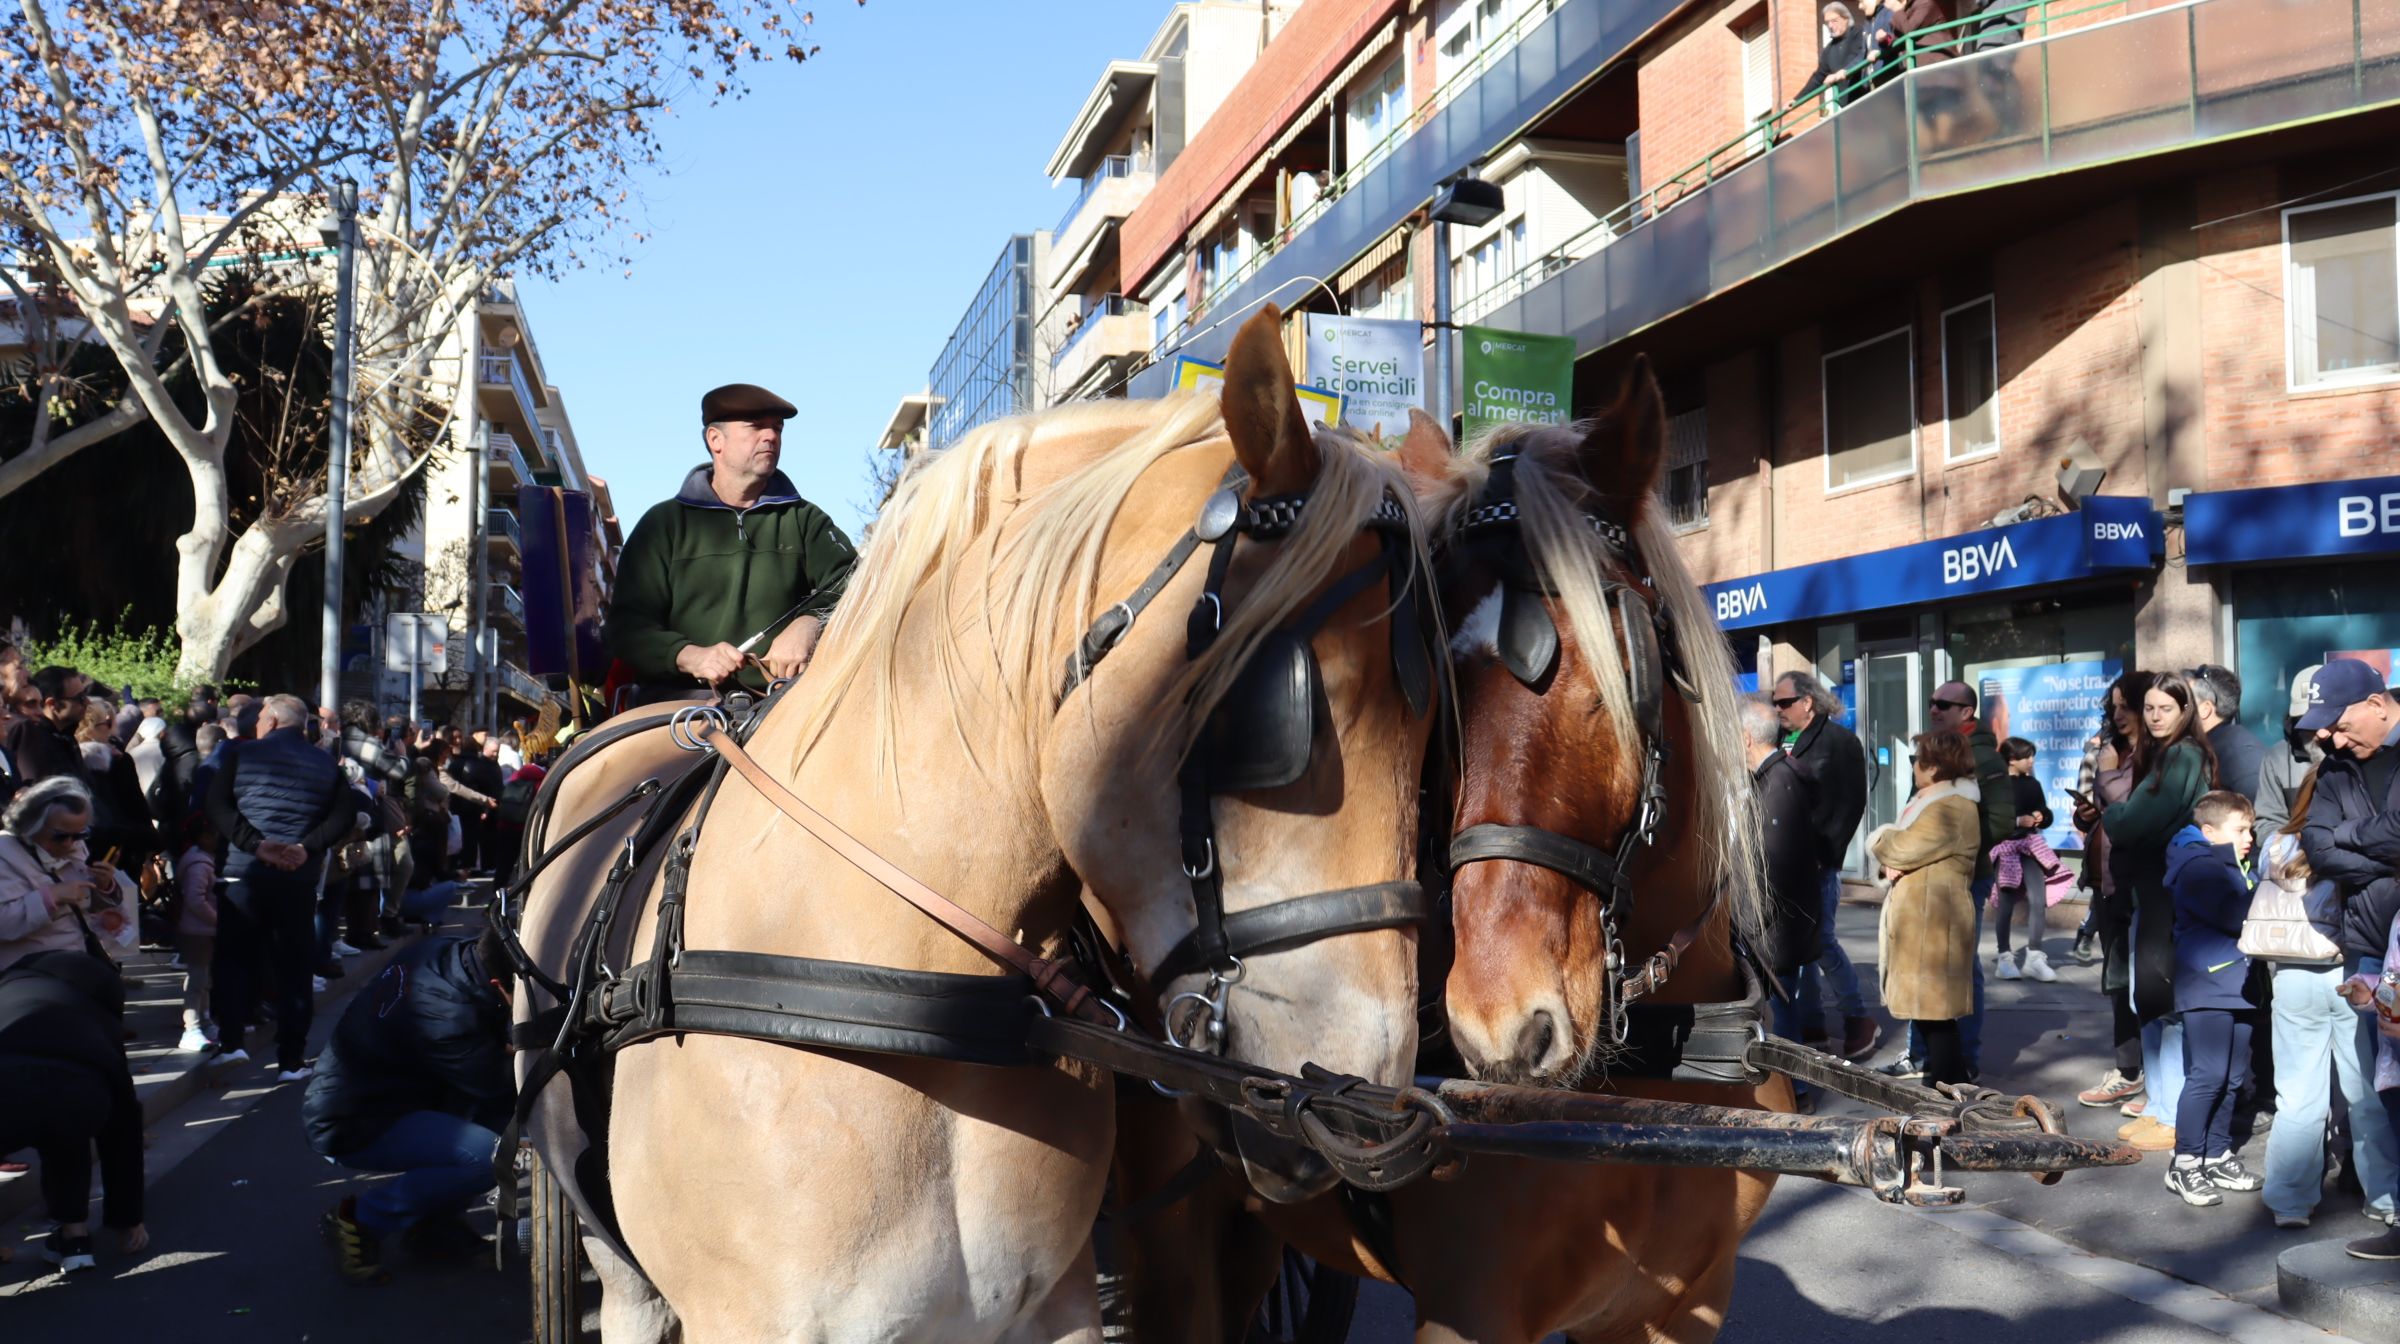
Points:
[(1211, 1001), (1208, 861), (685, 728)]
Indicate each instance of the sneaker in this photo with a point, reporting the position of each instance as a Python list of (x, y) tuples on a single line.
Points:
[(2037, 968), (237, 1055), (2157, 1138), (2133, 1127), (2385, 1247), (296, 1073), (1860, 1036), (2083, 947), (2228, 1173), (2375, 1215), (68, 1253), (2190, 1180), (1903, 1067), (2137, 1106), (195, 1041), (316, 984), (357, 1253), (2291, 1222), (342, 949), (2004, 967), (2114, 1087)]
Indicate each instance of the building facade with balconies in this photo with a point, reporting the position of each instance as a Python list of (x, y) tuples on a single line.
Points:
[(2065, 341)]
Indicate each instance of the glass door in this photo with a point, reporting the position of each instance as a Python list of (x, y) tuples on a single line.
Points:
[(1891, 710)]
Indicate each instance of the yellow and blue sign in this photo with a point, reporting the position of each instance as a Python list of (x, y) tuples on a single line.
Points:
[(1321, 407)]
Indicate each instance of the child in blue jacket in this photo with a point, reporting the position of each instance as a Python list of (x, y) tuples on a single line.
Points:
[(2208, 876)]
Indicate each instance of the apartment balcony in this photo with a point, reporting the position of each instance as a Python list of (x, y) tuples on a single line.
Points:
[(500, 534), (507, 602), (1987, 141), (556, 461), (508, 469), (516, 681), (504, 392), (1115, 329), (1116, 185)]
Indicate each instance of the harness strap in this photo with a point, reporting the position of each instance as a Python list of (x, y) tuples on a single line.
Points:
[(1303, 920), (1588, 865), (1653, 976), (1051, 977)]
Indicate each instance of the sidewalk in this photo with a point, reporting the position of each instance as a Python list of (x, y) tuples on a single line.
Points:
[(2053, 1040), (165, 1077)]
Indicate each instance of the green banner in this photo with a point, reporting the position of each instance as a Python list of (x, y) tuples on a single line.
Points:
[(1514, 377)]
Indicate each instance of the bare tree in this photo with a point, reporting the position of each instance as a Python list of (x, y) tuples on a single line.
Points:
[(143, 144)]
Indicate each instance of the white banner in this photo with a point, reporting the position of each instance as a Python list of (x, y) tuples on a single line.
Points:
[(1376, 364), (401, 638)]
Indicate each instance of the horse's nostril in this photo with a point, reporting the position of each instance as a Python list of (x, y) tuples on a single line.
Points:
[(1534, 1039)]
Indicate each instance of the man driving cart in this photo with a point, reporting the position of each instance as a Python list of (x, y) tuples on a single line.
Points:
[(728, 584)]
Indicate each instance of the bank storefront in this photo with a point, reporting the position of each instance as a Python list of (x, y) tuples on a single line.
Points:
[(2311, 577), (2038, 615)]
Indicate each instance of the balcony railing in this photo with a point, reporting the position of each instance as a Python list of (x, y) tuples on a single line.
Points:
[(507, 601), (1112, 305), (500, 530), (1115, 165), (521, 684), (506, 370), (507, 460), (2149, 79)]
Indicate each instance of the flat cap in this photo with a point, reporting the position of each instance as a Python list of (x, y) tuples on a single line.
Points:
[(743, 401)]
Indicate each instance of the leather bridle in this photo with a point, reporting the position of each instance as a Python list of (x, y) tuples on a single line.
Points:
[(1220, 940), (1528, 641)]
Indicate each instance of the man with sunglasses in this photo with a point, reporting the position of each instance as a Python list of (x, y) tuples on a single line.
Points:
[(1954, 709), (1833, 757), (42, 744)]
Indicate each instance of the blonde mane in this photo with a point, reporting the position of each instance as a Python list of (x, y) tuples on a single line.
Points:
[(1575, 562), (1040, 554)]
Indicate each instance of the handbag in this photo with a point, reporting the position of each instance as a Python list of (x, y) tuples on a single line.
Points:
[(2278, 927)]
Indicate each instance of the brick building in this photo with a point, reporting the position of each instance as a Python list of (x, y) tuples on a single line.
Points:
[(2070, 343)]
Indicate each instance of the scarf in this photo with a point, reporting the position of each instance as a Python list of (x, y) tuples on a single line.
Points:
[(1934, 793)]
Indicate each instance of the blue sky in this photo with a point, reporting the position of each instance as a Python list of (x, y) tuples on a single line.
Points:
[(822, 236)]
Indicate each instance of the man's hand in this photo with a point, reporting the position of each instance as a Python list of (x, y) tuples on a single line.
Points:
[(282, 855), (788, 656), (711, 663), (133, 1239)]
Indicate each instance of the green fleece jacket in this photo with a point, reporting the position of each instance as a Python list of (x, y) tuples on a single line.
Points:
[(2159, 806), (696, 571), (1998, 810)]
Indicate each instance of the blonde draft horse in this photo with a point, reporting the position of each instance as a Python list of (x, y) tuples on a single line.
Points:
[(1513, 1250), (772, 1192)]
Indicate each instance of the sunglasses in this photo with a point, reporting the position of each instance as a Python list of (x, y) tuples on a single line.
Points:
[(1939, 703), (1787, 701), (84, 834)]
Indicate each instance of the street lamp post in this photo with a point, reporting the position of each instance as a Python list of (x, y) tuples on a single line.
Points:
[(341, 233), (1462, 200)]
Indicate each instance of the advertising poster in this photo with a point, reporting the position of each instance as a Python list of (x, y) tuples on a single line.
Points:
[(1513, 377), (2056, 707), (1321, 406), (1376, 365)]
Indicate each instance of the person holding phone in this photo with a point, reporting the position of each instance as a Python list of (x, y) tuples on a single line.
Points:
[(45, 885)]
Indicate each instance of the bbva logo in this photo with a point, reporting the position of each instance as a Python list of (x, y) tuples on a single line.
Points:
[(2116, 531), (1967, 563), (1735, 603)]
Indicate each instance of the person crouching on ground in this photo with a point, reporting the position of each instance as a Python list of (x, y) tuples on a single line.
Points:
[(2208, 875), (2019, 863), (67, 1092), (1927, 939), (416, 1080)]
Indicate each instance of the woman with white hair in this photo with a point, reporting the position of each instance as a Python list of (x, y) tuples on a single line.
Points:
[(45, 880)]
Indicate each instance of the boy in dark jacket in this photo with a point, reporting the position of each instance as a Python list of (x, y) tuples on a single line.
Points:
[(416, 1080), (2207, 876)]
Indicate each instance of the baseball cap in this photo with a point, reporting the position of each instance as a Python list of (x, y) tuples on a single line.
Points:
[(2300, 690), (2339, 684)]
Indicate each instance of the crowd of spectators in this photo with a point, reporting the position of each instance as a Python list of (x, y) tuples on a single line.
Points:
[(259, 840), (2244, 898)]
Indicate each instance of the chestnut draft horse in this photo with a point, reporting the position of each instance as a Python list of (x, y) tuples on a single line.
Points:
[(751, 1190), (1512, 1250)]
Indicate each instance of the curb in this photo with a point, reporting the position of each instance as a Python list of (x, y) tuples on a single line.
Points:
[(2324, 1286)]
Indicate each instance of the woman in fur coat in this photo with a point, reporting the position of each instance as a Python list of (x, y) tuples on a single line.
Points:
[(1927, 939)]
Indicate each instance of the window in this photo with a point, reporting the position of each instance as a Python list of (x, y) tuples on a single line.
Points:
[(1687, 468), (1971, 379), (2342, 292), (1376, 109), (1758, 77), (1384, 292), (1464, 28), (1870, 412)]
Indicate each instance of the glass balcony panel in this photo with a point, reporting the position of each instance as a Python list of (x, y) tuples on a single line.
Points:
[(1873, 166), (1979, 119), (2264, 61), (1738, 223), (1802, 171), (2379, 49), (1583, 294), (2120, 88)]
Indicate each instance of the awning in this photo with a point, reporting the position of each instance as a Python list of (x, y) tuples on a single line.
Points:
[(1300, 124), (1376, 258)]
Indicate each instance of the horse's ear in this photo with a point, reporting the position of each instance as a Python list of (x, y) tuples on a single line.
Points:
[(1627, 448), (1425, 457), (1262, 413)]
